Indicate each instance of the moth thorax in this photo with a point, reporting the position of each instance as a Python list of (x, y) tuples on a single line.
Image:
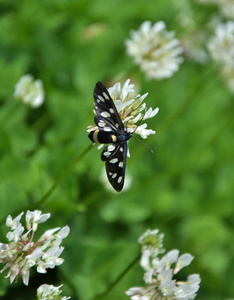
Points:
[(124, 137)]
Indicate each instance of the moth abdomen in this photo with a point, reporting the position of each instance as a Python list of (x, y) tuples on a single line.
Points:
[(102, 137)]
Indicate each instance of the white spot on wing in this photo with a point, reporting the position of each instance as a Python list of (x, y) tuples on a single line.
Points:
[(111, 110), (110, 148), (101, 98), (121, 164), (107, 153), (105, 114), (107, 128), (114, 175), (114, 160), (105, 95), (121, 149), (101, 124), (119, 179)]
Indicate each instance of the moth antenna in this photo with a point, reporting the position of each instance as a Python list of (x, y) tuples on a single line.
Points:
[(143, 144), (140, 121)]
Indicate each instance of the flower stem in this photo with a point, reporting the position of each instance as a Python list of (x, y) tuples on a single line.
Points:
[(113, 284), (54, 186), (64, 174)]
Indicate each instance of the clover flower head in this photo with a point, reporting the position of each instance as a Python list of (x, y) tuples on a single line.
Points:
[(226, 7), (22, 252), (131, 108), (155, 49), (222, 44), (160, 274), (29, 91), (221, 47), (46, 292)]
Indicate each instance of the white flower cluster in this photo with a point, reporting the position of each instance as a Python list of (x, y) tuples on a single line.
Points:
[(47, 292), (221, 47), (22, 253), (29, 91), (226, 7), (193, 39), (155, 49), (159, 272), (131, 109)]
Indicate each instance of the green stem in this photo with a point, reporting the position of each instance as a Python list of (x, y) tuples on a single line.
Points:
[(65, 173), (110, 288), (56, 183)]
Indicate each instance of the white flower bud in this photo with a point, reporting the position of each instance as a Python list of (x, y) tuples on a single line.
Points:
[(29, 91)]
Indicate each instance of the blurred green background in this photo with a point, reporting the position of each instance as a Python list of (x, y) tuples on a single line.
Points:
[(185, 189)]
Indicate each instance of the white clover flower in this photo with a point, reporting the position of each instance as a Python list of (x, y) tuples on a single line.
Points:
[(50, 292), (15, 234), (160, 273), (221, 47), (22, 252), (138, 293), (193, 39), (227, 8), (29, 91), (13, 223), (155, 49), (131, 109), (33, 218)]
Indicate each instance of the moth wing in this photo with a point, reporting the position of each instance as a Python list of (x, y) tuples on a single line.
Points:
[(105, 108), (115, 157), (104, 124)]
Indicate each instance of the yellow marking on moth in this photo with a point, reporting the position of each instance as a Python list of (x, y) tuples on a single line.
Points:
[(95, 138), (114, 139)]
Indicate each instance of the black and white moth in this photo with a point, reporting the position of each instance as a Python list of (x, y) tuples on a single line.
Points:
[(111, 131)]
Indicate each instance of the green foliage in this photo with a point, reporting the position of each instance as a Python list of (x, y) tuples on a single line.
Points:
[(185, 189)]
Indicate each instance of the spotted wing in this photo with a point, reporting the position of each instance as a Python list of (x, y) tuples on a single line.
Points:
[(104, 124), (115, 157), (106, 112)]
